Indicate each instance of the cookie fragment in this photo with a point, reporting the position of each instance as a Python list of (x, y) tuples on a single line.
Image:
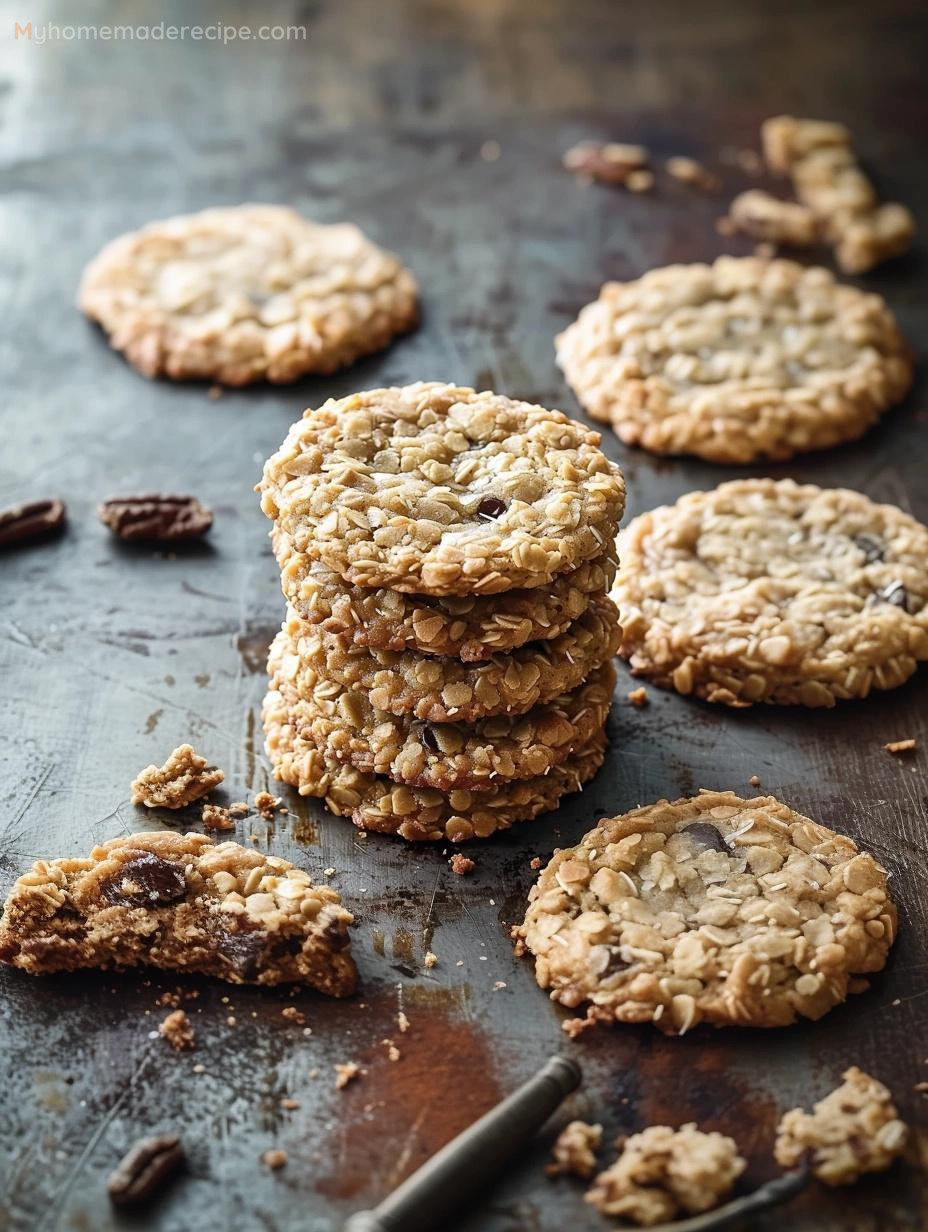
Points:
[(765, 217), (853, 1130), (606, 162), (178, 1030), (712, 909), (183, 778), (662, 1173), (574, 1150), (179, 902)]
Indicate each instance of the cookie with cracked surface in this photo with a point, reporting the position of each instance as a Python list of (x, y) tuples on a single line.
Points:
[(345, 727), (247, 293), (447, 690), (468, 627), (736, 361), (713, 909), (436, 489), (854, 1129), (416, 813), (180, 903), (768, 591)]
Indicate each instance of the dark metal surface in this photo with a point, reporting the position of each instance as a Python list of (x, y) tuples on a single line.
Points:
[(111, 655)]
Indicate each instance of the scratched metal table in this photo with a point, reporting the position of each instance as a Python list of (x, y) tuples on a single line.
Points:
[(111, 656)]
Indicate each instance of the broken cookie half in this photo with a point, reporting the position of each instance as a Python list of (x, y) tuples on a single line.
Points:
[(181, 903)]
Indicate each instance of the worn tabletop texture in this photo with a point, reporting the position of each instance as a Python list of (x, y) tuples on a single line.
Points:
[(110, 657)]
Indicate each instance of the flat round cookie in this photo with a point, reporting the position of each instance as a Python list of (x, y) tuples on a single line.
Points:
[(439, 490), (468, 627), (447, 690), (249, 293), (770, 591), (736, 361), (416, 813), (714, 909), (346, 728)]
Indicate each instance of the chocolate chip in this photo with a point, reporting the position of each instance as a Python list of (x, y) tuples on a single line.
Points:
[(705, 835), (872, 548), (146, 880), (144, 1169), (336, 936), (430, 740), (606, 960), (155, 518), (491, 507), (30, 522), (896, 594), (243, 951)]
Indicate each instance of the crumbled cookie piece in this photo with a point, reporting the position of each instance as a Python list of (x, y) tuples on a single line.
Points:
[(713, 909), (183, 778), (178, 1030), (217, 818), (179, 902), (640, 181), (690, 171), (867, 240), (461, 864), (901, 746), (574, 1150), (754, 781), (265, 803), (393, 1053), (662, 1172), (607, 162), (274, 1159), (239, 809), (766, 217), (855, 1129), (346, 1072), (430, 960), (292, 1014), (402, 1022), (638, 697)]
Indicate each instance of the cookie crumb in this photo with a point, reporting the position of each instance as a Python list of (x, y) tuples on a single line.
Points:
[(754, 781), (402, 1023), (183, 778), (901, 746), (574, 1150), (346, 1072), (328, 872), (689, 171), (638, 697), (499, 985), (393, 1053), (165, 999), (461, 864), (214, 392), (606, 162), (535, 863), (265, 803), (289, 1104), (430, 960), (490, 151), (177, 1029), (274, 1159), (292, 1014), (217, 818)]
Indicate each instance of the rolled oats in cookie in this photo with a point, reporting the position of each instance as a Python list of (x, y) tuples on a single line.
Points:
[(346, 727), (435, 489), (713, 909), (181, 903), (740, 360), (771, 591), (469, 627), (854, 1129), (415, 813), (441, 690), (247, 293)]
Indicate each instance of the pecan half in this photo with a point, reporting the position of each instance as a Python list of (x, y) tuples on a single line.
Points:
[(144, 1169), (34, 520), (155, 518)]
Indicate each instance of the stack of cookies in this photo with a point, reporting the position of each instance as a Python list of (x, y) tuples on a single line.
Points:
[(444, 669)]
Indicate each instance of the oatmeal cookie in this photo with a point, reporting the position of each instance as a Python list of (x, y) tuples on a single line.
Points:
[(468, 627), (181, 903), (345, 727), (662, 1172), (447, 690), (744, 359), (713, 909), (416, 813), (434, 489), (183, 778), (853, 1130), (764, 590), (248, 293)]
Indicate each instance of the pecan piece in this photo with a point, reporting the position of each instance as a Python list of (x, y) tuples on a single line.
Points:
[(155, 518), (144, 1169), (34, 520)]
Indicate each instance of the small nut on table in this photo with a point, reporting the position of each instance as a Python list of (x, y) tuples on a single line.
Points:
[(155, 518)]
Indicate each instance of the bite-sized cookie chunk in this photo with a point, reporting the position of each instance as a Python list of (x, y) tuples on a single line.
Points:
[(575, 1150), (764, 217), (415, 813), (178, 902), (853, 1130), (183, 778), (439, 490), (736, 361), (468, 627), (714, 909), (345, 727), (447, 690), (248, 293), (768, 591), (662, 1173)]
